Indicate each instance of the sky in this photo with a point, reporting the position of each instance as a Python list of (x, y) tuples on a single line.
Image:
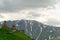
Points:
[(45, 11)]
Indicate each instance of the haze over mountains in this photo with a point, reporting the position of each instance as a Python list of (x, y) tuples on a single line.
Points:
[(36, 30)]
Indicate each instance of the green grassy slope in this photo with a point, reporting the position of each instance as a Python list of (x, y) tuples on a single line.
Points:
[(57, 38), (6, 35)]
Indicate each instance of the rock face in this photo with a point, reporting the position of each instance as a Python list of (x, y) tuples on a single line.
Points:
[(36, 30)]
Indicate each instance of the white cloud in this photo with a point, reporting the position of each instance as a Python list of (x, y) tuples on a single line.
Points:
[(39, 14), (45, 11)]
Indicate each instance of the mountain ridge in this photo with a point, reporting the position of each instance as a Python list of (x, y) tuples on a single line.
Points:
[(36, 30)]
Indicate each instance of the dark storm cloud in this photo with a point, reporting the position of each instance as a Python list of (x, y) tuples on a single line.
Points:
[(16, 5)]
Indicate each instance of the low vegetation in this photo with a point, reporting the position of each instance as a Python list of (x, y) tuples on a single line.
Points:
[(7, 34)]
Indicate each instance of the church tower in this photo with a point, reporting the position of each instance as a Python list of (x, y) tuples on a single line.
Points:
[(14, 26), (5, 25)]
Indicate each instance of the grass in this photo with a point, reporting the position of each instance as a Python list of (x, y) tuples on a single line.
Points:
[(57, 38), (6, 35)]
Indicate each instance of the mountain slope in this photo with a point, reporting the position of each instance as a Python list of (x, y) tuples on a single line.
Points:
[(6, 35), (36, 30)]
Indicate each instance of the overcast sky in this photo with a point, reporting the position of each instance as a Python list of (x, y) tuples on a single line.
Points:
[(45, 11)]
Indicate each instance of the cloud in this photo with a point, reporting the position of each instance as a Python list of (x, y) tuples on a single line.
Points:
[(29, 14), (53, 21), (46, 11), (1, 16), (17, 5)]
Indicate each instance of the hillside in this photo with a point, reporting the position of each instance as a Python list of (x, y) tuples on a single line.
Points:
[(33, 29), (7, 34)]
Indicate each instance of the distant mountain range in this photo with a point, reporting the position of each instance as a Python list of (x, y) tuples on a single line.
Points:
[(36, 30)]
